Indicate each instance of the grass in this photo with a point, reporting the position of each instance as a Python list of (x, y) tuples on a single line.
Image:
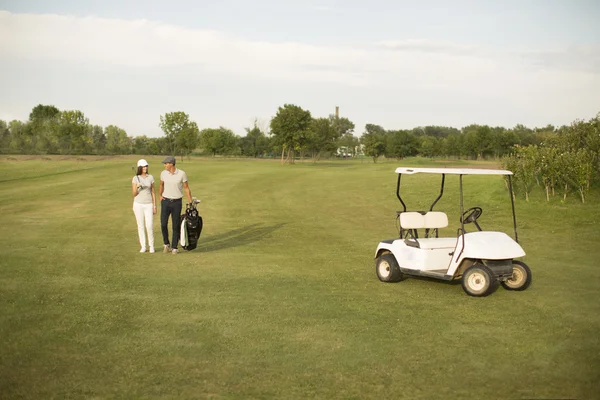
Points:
[(281, 300)]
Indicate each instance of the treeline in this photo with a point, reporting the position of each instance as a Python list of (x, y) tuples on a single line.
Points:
[(52, 131), (565, 162), (291, 134), (470, 142)]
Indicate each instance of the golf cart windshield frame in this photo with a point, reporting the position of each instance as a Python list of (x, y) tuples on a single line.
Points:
[(460, 172)]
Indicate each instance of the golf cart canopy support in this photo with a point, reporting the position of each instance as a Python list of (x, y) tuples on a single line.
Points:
[(452, 171), (458, 171)]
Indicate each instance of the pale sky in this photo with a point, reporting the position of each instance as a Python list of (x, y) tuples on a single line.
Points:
[(398, 64)]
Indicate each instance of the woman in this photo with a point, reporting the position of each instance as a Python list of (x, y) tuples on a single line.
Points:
[(144, 204)]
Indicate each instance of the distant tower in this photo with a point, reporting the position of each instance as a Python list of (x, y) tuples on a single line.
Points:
[(337, 111)]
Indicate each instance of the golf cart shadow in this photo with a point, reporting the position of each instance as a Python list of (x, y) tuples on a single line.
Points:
[(449, 284), (237, 237)]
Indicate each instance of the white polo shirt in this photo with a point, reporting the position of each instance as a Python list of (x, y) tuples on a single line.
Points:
[(173, 183)]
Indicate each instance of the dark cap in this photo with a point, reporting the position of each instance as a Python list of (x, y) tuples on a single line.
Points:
[(169, 159)]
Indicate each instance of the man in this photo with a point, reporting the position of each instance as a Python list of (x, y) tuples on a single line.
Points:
[(172, 183)]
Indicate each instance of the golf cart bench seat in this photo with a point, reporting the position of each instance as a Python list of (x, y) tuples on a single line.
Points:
[(414, 220), (429, 220)]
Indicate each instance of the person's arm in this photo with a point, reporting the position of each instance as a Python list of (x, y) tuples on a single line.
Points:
[(153, 198), (187, 191), (161, 188), (134, 190)]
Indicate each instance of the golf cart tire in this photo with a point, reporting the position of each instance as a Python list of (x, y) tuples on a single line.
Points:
[(522, 275), (387, 268), (479, 281)]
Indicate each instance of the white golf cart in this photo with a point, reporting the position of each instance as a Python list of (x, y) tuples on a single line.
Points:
[(482, 259)]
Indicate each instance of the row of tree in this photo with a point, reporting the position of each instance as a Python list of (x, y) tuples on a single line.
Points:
[(52, 131), (568, 161), (292, 133), (472, 142)]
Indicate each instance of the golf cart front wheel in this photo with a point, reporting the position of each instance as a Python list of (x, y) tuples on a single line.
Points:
[(479, 281), (387, 268), (521, 277)]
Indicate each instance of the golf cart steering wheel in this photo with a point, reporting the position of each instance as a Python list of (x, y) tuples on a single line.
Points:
[(471, 215)]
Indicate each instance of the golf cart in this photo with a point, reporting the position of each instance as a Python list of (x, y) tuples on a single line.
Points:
[(481, 259)]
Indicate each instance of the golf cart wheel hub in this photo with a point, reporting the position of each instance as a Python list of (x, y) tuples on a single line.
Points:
[(384, 269), (516, 277), (477, 281)]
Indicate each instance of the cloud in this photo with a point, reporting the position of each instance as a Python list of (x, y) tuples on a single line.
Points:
[(429, 46), (321, 8), (148, 44), (430, 81), (574, 58)]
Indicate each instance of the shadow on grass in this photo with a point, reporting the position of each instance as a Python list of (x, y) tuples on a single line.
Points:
[(236, 237), (451, 284)]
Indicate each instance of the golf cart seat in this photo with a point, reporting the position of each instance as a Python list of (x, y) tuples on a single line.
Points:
[(430, 221)]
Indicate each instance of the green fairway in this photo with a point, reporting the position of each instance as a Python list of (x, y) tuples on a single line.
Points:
[(281, 298)]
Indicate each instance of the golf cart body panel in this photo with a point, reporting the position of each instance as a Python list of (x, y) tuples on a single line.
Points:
[(436, 254), (413, 258), (491, 246), (481, 258)]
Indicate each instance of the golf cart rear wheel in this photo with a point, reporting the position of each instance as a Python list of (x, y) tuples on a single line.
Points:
[(479, 281), (521, 277), (387, 268)]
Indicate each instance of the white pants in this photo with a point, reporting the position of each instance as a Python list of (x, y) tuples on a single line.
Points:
[(143, 213)]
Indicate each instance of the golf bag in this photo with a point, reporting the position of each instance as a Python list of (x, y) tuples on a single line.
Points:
[(191, 227)]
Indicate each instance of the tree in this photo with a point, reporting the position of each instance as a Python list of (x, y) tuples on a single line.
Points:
[(72, 127), (373, 140), (218, 141), (341, 125), (548, 169), (526, 136), (439, 132), (402, 143), (344, 132), (322, 137), (44, 122), (18, 136), (4, 137), (42, 113), (451, 145), (98, 139), (187, 139), (255, 143), (141, 145), (172, 124), (290, 128), (523, 163), (117, 141), (429, 146), (349, 142)]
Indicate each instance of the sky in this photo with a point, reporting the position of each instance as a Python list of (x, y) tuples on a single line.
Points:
[(398, 64)]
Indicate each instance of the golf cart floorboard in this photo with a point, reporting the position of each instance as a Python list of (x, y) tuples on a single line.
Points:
[(434, 273)]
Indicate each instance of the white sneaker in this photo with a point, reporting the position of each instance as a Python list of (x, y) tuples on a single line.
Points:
[(143, 250), (151, 249), (167, 248), (175, 251)]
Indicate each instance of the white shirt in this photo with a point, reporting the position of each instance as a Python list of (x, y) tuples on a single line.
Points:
[(173, 183), (145, 194)]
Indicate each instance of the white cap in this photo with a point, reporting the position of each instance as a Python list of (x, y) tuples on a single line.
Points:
[(142, 163)]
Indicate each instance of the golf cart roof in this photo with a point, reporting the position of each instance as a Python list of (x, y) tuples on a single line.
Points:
[(452, 171)]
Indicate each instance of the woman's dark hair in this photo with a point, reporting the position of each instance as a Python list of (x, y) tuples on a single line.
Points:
[(139, 171)]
